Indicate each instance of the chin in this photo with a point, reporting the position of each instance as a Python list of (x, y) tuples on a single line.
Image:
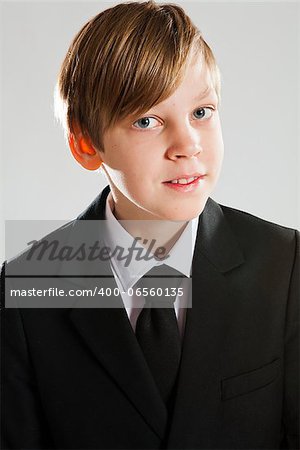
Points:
[(183, 216), (186, 214)]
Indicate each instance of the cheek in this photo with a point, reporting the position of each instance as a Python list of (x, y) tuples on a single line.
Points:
[(130, 173), (215, 148), (140, 167)]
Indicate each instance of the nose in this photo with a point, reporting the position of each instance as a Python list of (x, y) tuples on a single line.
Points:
[(185, 141)]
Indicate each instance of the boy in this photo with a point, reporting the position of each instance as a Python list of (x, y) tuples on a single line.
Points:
[(139, 92)]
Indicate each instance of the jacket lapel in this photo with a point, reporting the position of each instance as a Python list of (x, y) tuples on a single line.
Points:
[(109, 334), (207, 322)]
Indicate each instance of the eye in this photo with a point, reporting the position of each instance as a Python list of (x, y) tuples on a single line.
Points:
[(144, 122), (201, 113)]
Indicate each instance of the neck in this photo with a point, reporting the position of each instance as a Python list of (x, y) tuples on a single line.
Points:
[(155, 233)]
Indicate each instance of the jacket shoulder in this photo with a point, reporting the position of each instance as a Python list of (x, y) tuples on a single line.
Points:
[(58, 235), (262, 239), (252, 225)]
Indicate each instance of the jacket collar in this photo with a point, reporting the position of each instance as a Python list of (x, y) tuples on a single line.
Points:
[(214, 238)]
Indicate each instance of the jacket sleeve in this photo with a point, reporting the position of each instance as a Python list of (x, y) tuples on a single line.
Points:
[(291, 401), (22, 421)]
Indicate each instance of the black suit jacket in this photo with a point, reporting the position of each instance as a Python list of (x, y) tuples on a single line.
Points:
[(76, 378)]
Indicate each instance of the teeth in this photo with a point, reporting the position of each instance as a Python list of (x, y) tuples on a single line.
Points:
[(184, 180)]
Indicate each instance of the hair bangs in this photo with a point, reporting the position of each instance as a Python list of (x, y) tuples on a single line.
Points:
[(124, 61)]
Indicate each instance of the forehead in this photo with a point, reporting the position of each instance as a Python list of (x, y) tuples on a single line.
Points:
[(196, 84), (197, 73)]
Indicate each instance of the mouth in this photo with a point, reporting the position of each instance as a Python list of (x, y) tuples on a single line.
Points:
[(185, 180), (186, 185)]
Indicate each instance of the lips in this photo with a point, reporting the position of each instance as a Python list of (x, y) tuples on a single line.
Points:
[(186, 176), (186, 188)]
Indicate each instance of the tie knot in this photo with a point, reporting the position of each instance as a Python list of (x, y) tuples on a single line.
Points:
[(164, 271), (159, 286)]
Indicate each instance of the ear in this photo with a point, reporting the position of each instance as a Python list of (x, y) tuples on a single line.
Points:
[(83, 150)]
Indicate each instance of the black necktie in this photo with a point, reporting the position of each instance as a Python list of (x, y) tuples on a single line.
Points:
[(157, 328)]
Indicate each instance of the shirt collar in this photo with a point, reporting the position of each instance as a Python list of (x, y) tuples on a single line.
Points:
[(128, 275)]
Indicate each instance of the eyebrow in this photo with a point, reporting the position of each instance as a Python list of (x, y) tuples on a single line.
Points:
[(204, 93), (199, 97)]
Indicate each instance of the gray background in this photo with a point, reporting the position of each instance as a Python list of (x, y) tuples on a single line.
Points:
[(257, 48)]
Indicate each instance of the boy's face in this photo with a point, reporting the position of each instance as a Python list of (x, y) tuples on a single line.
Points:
[(178, 137)]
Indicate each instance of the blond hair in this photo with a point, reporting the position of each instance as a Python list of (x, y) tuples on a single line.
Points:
[(124, 61)]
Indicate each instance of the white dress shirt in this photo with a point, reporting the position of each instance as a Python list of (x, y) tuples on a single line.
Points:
[(180, 258)]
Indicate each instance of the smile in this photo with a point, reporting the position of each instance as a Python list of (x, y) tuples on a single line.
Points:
[(184, 180), (185, 185)]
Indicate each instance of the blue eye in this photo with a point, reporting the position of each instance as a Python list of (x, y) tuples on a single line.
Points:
[(201, 113), (143, 123)]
